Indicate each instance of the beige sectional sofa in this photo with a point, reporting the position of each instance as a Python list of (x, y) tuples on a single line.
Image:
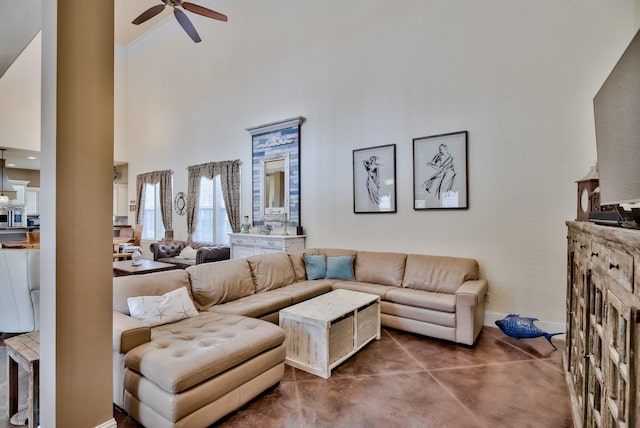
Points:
[(194, 371)]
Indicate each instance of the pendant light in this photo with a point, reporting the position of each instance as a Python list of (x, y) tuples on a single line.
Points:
[(4, 200)]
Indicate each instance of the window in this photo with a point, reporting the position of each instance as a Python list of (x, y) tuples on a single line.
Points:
[(213, 223), (153, 229)]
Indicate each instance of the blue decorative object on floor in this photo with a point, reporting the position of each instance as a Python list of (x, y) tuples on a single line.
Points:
[(523, 328)]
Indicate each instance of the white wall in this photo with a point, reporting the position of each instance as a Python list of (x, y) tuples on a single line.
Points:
[(20, 99), (519, 76)]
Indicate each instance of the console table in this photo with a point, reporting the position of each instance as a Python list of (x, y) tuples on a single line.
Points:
[(24, 351), (602, 355), (250, 244)]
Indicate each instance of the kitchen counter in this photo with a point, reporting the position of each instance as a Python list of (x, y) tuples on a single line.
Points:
[(16, 233)]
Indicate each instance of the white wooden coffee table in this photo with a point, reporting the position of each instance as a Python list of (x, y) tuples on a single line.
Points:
[(324, 331)]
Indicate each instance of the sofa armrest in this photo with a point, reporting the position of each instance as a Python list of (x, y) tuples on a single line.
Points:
[(128, 332), (471, 293), (212, 254), (164, 249)]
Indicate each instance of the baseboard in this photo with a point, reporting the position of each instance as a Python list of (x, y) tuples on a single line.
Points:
[(109, 424), (490, 319)]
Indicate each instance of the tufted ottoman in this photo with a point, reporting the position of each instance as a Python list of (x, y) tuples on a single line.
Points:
[(197, 370)]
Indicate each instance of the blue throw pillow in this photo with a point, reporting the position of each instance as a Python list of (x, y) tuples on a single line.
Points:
[(340, 267), (316, 265)]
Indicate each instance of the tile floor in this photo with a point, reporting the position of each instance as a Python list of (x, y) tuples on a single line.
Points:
[(406, 380)]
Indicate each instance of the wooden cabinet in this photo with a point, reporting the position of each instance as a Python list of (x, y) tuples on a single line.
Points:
[(120, 197), (247, 244), (603, 341), (20, 188)]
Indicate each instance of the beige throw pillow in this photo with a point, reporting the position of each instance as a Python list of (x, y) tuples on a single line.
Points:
[(157, 310)]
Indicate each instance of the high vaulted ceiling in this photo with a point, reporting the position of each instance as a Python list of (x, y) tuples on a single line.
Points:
[(20, 21)]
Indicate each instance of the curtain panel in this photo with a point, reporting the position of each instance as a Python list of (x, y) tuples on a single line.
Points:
[(165, 178), (229, 172)]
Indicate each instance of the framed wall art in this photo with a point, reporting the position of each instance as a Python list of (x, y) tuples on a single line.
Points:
[(440, 178), (374, 179)]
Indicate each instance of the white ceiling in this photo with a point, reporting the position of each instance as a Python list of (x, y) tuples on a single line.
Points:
[(126, 11), (16, 158)]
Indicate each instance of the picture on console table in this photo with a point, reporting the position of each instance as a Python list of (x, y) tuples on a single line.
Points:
[(440, 172), (374, 179)]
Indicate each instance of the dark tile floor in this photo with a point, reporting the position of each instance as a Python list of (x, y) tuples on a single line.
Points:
[(405, 380)]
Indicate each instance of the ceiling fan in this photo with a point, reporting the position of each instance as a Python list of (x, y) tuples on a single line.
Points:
[(182, 18)]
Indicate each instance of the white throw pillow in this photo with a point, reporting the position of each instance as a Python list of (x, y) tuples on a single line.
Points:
[(157, 310), (188, 253)]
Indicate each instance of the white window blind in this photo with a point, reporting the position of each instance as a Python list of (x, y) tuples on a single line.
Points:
[(152, 219), (213, 223)]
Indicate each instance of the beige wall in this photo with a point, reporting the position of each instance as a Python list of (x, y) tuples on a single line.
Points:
[(20, 100), (30, 175), (519, 76)]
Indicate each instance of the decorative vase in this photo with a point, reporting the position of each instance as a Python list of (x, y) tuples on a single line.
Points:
[(246, 226), (136, 256)]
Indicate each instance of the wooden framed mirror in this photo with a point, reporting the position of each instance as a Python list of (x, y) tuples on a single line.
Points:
[(276, 172)]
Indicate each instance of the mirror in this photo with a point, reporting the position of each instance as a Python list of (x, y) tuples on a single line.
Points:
[(274, 195), (276, 173)]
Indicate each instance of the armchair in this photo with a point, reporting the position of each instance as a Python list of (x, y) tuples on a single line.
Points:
[(20, 288)]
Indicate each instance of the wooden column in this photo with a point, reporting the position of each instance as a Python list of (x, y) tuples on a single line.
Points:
[(76, 337)]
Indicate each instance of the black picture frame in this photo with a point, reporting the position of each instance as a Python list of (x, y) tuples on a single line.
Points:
[(374, 180), (440, 171)]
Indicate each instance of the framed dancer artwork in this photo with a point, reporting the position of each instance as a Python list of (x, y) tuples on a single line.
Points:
[(374, 179), (440, 178)]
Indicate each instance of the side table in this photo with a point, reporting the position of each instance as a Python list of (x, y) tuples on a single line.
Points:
[(24, 351)]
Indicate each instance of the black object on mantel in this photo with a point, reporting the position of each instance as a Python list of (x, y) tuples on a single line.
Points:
[(618, 218)]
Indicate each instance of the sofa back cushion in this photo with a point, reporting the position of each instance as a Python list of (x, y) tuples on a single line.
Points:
[(271, 271), (297, 262), (151, 284), (220, 282), (335, 252), (380, 268), (438, 274)]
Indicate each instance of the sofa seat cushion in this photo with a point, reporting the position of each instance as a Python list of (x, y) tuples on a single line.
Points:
[(422, 299), (301, 291), (438, 274), (228, 390), (256, 305), (189, 352), (446, 319), (380, 268), (180, 262), (364, 287)]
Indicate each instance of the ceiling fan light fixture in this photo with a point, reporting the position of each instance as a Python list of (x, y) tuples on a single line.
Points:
[(181, 17)]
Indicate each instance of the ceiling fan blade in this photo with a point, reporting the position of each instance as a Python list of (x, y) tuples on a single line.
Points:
[(186, 24), (201, 10), (148, 14)]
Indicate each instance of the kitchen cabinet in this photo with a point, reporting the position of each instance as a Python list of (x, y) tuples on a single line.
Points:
[(32, 201), (120, 200), (20, 188)]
